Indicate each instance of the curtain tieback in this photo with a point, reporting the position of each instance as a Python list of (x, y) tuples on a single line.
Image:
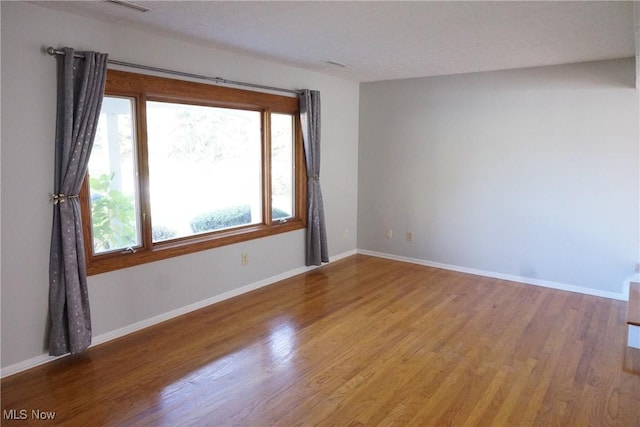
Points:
[(314, 178), (61, 198)]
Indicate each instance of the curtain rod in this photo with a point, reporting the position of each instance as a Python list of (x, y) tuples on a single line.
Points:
[(53, 52)]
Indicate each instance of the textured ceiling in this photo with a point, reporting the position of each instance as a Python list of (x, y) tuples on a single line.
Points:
[(390, 39)]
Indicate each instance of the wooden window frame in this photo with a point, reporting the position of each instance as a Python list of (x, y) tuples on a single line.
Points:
[(141, 88)]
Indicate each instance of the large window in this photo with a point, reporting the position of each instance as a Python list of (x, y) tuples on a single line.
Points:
[(179, 167)]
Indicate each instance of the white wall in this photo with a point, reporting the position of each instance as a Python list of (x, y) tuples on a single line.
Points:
[(122, 298), (530, 173)]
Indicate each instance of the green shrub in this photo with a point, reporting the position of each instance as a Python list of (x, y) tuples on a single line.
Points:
[(162, 232), (221, 218), (232, 216), (113, 215), (279, 214)]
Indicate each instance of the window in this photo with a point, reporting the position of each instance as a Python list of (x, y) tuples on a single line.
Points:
[(179, 167)]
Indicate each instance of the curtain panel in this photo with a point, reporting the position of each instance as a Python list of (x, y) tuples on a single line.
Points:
[(80, 81), (316, 242)]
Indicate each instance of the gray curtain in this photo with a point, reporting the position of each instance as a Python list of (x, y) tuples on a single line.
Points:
[(80, 91), (316, 248)]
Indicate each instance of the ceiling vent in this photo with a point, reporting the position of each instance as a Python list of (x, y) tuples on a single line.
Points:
[(128, 4), (337, 64)]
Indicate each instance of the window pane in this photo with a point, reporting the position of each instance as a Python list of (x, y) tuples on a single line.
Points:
[(113, 179), (282, 166), (204, 168)]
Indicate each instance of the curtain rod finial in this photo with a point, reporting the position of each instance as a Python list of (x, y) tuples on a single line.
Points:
[(51, 51)]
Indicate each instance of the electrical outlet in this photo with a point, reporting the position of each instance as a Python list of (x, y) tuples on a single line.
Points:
[(389, 233), (346, 233), (244, 259), (409, 236)]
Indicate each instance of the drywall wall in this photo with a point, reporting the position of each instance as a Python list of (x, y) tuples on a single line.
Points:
[(530, 173), (128, 297)]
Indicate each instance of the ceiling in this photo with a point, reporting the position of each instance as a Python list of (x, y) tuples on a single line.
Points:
[(385, 40)]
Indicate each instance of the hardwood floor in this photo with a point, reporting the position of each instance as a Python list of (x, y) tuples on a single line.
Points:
[(360, 342)]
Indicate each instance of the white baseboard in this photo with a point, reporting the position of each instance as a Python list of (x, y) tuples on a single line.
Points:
[(108, 336), (633, 339), (526, 280), (343, 255), (627, 284), (28, 364)]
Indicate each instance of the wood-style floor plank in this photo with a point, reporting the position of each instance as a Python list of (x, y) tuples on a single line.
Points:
[(360, 342)]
